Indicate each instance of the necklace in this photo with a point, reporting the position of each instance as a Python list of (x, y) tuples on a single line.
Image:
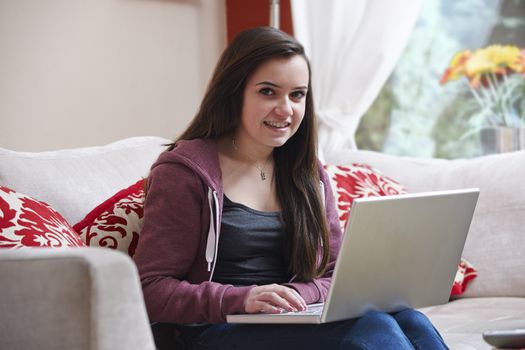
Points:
[(262, 173)]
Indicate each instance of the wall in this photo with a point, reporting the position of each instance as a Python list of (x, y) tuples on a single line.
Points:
[(79, 73)]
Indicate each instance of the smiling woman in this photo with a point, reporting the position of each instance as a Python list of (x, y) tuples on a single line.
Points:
[(247, 168)]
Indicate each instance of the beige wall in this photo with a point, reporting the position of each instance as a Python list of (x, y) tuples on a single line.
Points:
[(88, 72)]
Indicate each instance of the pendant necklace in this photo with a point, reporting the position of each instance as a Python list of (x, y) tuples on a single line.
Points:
[(262, 173)]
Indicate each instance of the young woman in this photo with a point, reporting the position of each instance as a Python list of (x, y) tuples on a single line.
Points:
[(239, 216)]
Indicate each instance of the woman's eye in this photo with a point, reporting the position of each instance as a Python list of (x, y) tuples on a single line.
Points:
[(298, 94), (266, 91)]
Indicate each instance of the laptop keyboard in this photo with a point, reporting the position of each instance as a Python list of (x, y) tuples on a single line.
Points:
[(312, 309)]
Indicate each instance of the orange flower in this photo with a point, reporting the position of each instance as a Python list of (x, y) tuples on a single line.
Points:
[(456, 69)]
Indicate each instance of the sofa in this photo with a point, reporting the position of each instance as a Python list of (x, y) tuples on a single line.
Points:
[(86, 296)]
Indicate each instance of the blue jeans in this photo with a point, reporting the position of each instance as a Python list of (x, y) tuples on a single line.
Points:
[(407, 329)]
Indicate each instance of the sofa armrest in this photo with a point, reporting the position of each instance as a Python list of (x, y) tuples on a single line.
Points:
[(76, 298)]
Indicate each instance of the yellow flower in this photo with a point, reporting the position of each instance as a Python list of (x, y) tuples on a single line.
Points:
[(495, 59), (506, 57), (481, 62)]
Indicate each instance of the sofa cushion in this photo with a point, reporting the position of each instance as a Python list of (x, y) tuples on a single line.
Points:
[(461, 322), (495, 243), (116, 223), (27, 222), (74, 181), (358, 180)]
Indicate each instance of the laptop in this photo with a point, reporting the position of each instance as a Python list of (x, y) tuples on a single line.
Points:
[(397, 252)]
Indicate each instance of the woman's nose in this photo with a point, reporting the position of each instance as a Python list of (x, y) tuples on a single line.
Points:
[(284, 108)]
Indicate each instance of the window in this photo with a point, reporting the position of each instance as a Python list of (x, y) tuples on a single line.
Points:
[(413, 114)]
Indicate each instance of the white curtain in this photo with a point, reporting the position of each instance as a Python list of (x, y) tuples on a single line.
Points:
[(353, 46)]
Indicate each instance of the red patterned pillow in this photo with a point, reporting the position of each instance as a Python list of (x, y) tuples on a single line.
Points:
[(464, 275), (361, 180), (27, 222), (116, 223), (356, 181)]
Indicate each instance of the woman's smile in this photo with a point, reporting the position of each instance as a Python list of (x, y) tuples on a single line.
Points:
[(277, 126)]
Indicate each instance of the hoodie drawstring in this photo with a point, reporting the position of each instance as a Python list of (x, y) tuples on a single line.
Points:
[(212, 243)]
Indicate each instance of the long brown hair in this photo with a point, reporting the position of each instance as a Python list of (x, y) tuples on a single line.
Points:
[(296, 168)]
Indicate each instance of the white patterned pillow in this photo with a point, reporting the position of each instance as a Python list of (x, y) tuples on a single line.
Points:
[(116, 223)]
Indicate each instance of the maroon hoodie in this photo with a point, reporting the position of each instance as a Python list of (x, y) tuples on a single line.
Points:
[(177, 249)]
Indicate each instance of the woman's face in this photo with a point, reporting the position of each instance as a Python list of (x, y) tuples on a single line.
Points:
[(274, 102)]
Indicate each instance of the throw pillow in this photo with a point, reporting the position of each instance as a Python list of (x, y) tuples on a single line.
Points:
[(466, 273), (361, 180), (27, 222), (116, 223), (356, 181)]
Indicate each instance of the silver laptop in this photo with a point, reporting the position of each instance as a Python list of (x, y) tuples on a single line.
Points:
[(397, 252)]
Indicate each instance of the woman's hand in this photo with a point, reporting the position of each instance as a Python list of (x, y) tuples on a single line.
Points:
[(273, 299)]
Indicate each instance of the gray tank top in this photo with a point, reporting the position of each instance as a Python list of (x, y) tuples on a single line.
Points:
[(251, 247)]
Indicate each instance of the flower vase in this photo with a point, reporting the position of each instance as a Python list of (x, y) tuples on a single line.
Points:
[(521, 139), (502, 139)]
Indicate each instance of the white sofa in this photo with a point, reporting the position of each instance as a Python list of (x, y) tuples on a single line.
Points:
[(88, 298)]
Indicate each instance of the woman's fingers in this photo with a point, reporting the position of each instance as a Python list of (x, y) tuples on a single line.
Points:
[(267, 302), (267, 308), (293, 297), (273, 298)]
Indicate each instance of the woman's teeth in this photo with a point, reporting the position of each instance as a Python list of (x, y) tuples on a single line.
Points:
[(277, 124)]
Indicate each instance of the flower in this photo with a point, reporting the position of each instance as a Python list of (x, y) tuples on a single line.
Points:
[(496, 78)]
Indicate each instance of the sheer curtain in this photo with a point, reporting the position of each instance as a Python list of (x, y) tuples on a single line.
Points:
[(353, 46)]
